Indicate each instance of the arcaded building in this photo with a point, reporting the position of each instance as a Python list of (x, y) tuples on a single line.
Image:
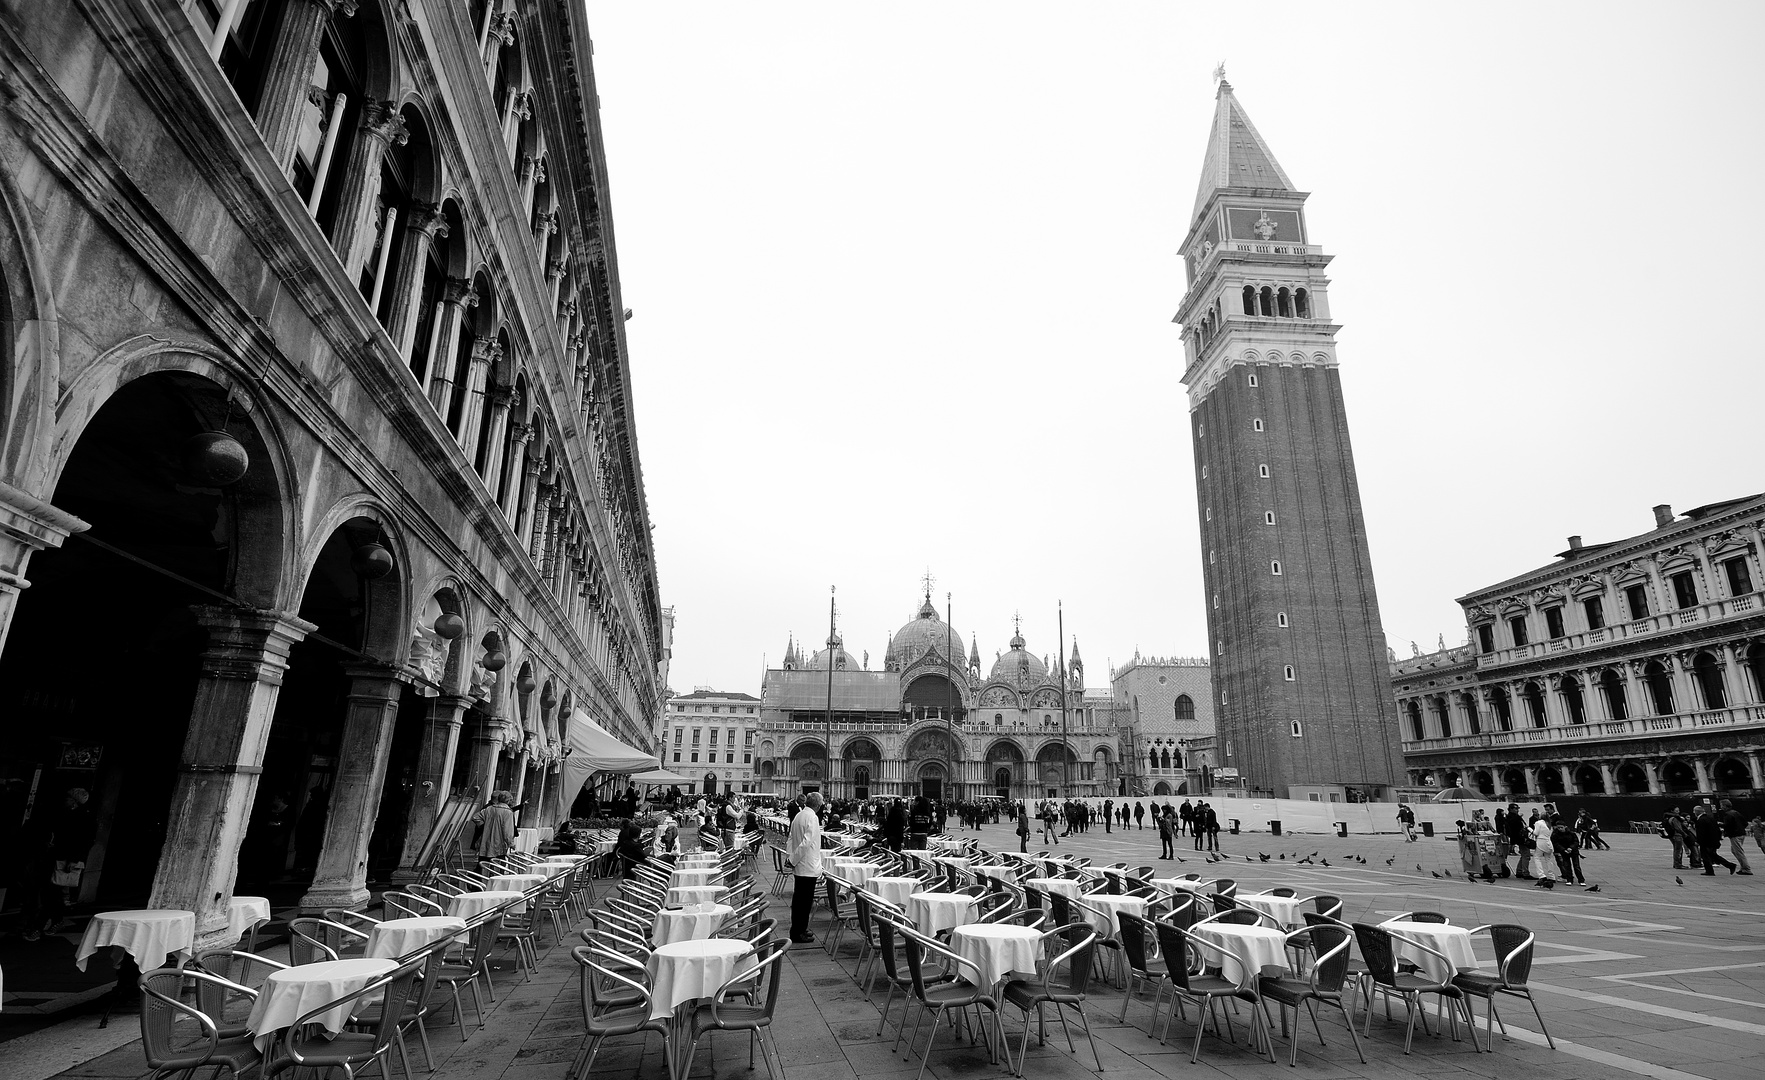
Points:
[(319, 479), (1167, 708), (1622, 667), (933, 722), (1300, 679)]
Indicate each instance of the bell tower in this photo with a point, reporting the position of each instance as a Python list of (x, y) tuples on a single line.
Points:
[(1299, 663)]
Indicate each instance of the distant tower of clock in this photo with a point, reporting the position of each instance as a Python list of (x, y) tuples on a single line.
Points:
[(1305, 707)]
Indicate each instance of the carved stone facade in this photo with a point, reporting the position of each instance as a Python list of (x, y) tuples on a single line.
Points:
[(288, 396), (1167, 712), (709, 735), (932, 722), (1635, 666)]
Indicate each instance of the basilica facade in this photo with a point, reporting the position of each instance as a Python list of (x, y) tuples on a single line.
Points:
[(933, 722)]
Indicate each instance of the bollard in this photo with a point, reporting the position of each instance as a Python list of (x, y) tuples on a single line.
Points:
[(1234, 826), (1428, 829), (1274, 828), (1341, 828)]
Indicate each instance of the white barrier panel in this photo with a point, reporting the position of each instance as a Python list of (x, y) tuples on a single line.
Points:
[(1305, 816)]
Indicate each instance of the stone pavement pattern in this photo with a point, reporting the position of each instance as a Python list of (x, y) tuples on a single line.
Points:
[(1646, 978)]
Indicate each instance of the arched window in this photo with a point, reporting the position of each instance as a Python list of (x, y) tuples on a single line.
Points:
[(1535, 704), (1152, 762), (1301, 304), (1708, 675), (1443, 715), (1002, 780), (861, 782), (1185, 707), (1474, 722), (1284, 303), (1660, 686), (1250, 300), (1572, 700), (1165, 757), (1265, 302), (1415, 715), (1504, 708), (1612, 689)]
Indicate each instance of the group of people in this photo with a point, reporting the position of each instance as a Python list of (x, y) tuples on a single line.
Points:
[(1700, 835)]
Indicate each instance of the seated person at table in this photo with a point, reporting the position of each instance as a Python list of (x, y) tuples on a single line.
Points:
[(835, 823), (629, 849), (666, 844)]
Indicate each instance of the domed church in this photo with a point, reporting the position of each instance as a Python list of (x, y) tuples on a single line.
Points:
[(930, 721)]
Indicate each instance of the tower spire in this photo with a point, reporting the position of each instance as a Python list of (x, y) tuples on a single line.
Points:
[(1237, 155)]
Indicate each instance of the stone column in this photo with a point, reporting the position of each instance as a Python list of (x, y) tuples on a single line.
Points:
[(1530, 772), (519, 436), (371, 708), (456, 297), (27, 524), (1702, 768), (531, 815), (1756, 770), (528, 177), (1652, 771), (435, 769), (289, 73), (1685, 695), (485, 352), (353, 231), (500, 398), (486, 747), (1610, 777), (422, 225), (241, 674), (554, 280), (541, 523), (1734, 680), (524, 510)]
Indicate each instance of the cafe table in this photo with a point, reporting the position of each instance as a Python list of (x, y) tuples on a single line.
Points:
[(895, 890), (401, 937), (943, 844), (683, 895), (1168, 885), (519, 883), (938, 911), (246, 913), (683, 973), (288, 994), (1067, 887), (1283, 909), (856, 872), (693, 922), (1255, 947), (527, 840), (1453, 941), (148, 935), (1100, 910), (999, 950), (469, 905), (691, 875)]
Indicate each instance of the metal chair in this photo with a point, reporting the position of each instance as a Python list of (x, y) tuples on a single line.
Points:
[(1139, 968), (1417, 916), (938, 998), (1513, 965), (1329, 970), (417, 1007), (162, 1012), (1376, 948), (1191, 978), (1026, 995), (313, 940), (476, 964), (754, 1018), (350, 1051), (624, 1011)]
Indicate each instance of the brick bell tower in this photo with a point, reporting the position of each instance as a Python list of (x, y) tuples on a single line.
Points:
[(1300, 669)]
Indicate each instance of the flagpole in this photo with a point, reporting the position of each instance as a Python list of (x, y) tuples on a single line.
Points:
[(950, 715), (827, 738), (1060, 666)]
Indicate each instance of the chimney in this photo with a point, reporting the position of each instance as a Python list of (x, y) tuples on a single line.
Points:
[(1575, 543), (1663, 516)]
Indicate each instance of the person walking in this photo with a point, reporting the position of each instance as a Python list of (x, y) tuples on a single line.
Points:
[(1198, 825), (895, 825), (1185, 818), (1139, 816), (1407, 819), (1588, 827), (1678, 833), (1543, 854), (1023, 830), (1519, 841), (496, 832), (1165, 847), (1108, 814), (1567, 846), (1757, 828), (1210, 826), (1734, 828), (1708, 829), (804, 845)]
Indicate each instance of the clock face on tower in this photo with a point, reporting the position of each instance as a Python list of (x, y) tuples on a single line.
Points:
[(1264, 224)]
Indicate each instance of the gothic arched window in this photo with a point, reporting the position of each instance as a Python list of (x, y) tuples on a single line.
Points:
[(1185, 707)]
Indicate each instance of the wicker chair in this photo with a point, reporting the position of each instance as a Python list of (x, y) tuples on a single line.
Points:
[(1513, 965), (1028, 996), (162, 1012), (1184, 958), (1329, 971), (1381, 957)]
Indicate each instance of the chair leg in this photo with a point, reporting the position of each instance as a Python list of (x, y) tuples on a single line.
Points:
[(937, 1015), (1086, 1023), (888, 999), (1530, 1000), (1349, 1020), (1410, 1006)]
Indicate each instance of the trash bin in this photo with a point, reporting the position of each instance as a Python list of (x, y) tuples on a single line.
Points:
[(1274, 828), (1234, 826), (1341, 828), (1428, 829)]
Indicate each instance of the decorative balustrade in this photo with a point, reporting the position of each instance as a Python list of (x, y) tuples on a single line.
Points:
[(1566, 734), (1712, 611)]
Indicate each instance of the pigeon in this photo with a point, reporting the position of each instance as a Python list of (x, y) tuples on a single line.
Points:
[(1305, 862), (1545, 883), (1313, 855), (1593, 888), (1181, 859), (1432, 872), (1446, 873), (1677, 881), (1283, 856), (1247, 858), (1261, 856), (1391, 860), (1488, 875), (1418, 868), (1326, 862)]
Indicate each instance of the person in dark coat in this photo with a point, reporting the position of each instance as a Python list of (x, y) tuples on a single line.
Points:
[(1709, 832), (895, 825), (1519, 839), (1139, 816)]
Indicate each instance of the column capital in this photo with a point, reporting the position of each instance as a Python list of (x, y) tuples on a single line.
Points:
[(427, 218), (460, 292), (502, 28), (336, 8), (521, 434), (555, 269), (381, 120), (545, 223), (248, 644)]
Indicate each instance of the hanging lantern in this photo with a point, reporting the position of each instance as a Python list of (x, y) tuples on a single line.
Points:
[(549, 698), (372, 560), (449, 626), (215, 458), (495, 660), (526, 683)]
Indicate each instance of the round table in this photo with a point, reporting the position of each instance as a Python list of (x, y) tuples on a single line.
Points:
[(149, 935), (291, 993), (401, 937), (684, 877), (515, 883), (694, 894), (1254, 946), (571, 859), (856, 872), (681, 974), (469, 905), (246, 913), (895, 890), (1103, 918), (1282, 909), (527, 840), (699, 859), (998, 949), (693, 923), (943, 843), (1454, 941), (935, 911), (551, 867), (1169, 885), (1067, 887)]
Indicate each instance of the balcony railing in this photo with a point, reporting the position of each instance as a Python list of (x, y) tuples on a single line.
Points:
[(1739, 716), (1733, 607)]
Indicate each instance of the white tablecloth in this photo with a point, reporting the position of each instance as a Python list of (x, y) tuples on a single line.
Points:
[(856, 872), (571, 859), (1103, 919), (689, 970), (399, 937), (149, 935), (515, 883), (1171, 885), (935, 911), (1068, 887), (1454, 941), (695, 894), (551, 867), (471, 904), (1283, 909), (896, 890), (698, 859), (943, 843), (1257, 946), (527, 840), (997, 949), (245, 912), (691, 875), (288, 995), (688, 924)]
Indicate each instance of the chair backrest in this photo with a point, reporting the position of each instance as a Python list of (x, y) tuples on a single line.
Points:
[(1425, 917), (1173, 947), (1376, 950), (767, 956), (1183, 914), (1133, 939), (1225, 887), (1222, 904), (1513, 952), (1060, 907), (303, 1043), (1329, 943), (886, 928), (1282, 890), (597, 975), (1032, 897), (161, 1010), (1326, 904), (1078, 956), (411, 904), (213, 987), (1143, 873), (306, 943), (1238, 916)]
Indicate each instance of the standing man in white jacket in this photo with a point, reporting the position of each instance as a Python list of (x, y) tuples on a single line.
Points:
[(805, 850)]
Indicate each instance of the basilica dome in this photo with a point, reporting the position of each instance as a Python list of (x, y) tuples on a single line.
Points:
[(926, 631), (842, 660), (1007, 667)]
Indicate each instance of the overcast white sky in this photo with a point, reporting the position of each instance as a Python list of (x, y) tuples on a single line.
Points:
[(903, 277)]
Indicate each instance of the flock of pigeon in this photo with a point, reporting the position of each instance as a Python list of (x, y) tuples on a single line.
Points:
[(1485, 878)]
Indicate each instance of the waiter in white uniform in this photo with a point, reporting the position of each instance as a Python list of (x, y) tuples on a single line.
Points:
[(805, 851)]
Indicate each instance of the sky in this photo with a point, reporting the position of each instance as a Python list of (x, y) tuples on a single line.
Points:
[(902, 279)]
